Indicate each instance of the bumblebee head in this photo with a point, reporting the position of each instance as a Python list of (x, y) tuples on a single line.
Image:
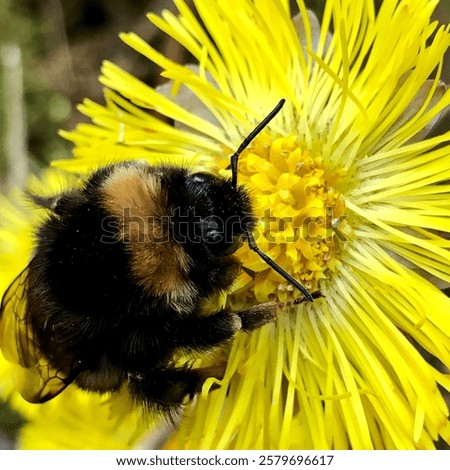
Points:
[(213, 215)]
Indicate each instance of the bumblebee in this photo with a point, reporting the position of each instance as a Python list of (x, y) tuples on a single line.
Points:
[(120, 269)]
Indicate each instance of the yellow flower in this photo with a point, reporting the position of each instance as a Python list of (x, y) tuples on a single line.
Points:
[(351, 198)]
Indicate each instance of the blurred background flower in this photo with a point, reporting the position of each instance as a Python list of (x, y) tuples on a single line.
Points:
[(75, 38)]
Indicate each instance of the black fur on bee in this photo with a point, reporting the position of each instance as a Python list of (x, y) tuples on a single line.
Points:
[(114, 290)]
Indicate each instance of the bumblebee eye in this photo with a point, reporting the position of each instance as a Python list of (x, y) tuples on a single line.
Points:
[(219, 241), (213, 236), (213, 231)]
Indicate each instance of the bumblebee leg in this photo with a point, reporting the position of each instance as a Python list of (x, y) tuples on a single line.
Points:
[(201, 333), (258, 315), (165, 389)]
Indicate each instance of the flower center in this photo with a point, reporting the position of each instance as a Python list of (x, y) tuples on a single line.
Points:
[(301, 216)]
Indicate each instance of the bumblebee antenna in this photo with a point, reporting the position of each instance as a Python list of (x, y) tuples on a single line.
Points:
[(246, 142), (276, 267), (250, 239)]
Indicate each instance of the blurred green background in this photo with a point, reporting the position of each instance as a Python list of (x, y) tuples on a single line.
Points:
[(50, 57)]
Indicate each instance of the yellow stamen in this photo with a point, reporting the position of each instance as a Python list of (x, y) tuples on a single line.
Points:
[(300, 211)]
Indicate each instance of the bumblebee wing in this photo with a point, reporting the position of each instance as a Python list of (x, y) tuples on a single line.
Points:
[(39, 383), (16, 339), (35, 378)]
